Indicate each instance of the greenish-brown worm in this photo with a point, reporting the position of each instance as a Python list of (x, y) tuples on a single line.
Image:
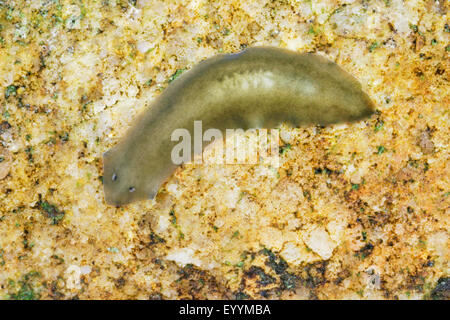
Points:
[(259, 87)]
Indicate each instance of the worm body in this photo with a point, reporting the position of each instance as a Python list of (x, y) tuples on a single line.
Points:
[(258, 87)]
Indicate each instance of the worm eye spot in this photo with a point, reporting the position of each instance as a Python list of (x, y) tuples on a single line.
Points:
[(131, 189), (114, 177)]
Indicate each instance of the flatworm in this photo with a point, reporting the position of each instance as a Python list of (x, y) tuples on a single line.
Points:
[(259, 87)]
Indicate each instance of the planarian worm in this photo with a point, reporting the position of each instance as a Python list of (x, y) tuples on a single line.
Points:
[(258, 87)]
